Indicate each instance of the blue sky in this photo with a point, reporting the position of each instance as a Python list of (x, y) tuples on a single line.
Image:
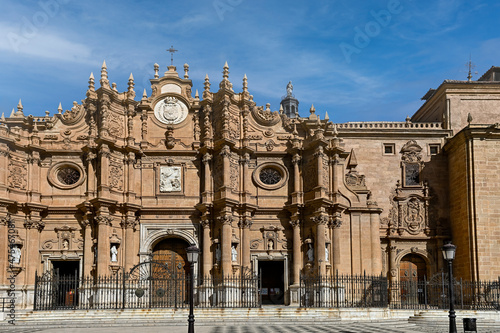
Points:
[(358, 60)]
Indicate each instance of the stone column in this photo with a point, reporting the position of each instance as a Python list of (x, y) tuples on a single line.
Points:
[(320, 221), (88, 242), (319, 154), (226, 262), (336, 223), (103, 247), (130, 225), (246, 175), (375, 243), (104, 155), (208, 175), (393, 272), (226, 166), (296, 254), (4, 170), (296, 173), (207, 242), (34, 225), (91, 176), (34, 176), (245, 224), (130, 179)]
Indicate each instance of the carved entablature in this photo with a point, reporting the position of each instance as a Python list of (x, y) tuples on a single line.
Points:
[(411, 164)]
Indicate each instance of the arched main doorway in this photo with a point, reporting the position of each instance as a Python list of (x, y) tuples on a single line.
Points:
[(412, 273), (172, 252)]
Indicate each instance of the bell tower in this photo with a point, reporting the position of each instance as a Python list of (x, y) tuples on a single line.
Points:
[(289, 103)]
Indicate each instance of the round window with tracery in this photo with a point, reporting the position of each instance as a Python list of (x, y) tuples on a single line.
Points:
[(68, 176), (270, 176)]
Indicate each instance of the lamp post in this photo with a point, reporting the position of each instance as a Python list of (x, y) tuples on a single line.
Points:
[(449, 254), (192, 256)]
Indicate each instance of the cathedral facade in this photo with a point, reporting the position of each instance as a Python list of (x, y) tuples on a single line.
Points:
[(119, 180)]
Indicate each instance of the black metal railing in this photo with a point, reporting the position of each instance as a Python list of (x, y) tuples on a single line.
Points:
[(423, 294), (123, 291), (343, 291)]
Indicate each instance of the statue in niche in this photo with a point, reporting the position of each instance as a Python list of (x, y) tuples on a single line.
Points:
[(170, 179), (234, 254), (327, 254), (15, 253), (217, 253), (65, 244), (270, 244), (310, 253), (114, 252)]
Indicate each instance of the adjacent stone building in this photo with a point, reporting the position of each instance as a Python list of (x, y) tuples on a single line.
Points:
[(118, 180)]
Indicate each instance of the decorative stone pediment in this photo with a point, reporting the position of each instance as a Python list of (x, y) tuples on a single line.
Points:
[(265, 117)]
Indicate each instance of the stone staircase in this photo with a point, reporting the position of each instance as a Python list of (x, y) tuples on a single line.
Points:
[(484, 319), (156, 317), (262, 316)]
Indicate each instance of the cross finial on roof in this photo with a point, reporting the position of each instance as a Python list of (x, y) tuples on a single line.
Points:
[(172, 50), (471, 66)]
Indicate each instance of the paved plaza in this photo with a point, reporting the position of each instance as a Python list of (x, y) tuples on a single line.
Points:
[(341, 327)]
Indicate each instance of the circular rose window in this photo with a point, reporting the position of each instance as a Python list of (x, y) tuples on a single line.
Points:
[(66, 175), (270, 176)]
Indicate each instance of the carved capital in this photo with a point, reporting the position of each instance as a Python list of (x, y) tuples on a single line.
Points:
[(207, 158), (225, 219), (104, 220), (335, 222), (295, 223), (296, 159), (245, 222), (205, 222), (320, 219), (225, 151)]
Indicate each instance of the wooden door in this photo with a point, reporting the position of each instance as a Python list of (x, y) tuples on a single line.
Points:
[(412, 271)]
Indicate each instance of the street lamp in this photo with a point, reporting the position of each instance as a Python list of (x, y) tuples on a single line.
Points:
[(192, 256), (449, 254)]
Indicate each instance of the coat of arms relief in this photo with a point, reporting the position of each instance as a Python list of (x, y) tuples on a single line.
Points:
[(171, 111)]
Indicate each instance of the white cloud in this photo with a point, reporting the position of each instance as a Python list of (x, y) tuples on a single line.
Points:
[(41, 43)]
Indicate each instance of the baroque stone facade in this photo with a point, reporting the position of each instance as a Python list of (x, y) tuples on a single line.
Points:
[(116, 181)]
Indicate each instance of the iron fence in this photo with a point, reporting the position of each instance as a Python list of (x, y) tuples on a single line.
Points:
[(433, 294), (343, 291), (125, 291)]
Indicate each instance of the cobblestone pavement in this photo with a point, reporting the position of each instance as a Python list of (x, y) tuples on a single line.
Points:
[(341, 327)]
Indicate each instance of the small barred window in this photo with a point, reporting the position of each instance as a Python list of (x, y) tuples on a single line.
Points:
[(270, 176), (68, 176)]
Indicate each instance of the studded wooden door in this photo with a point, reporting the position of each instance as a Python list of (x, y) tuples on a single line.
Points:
[(172, 253)]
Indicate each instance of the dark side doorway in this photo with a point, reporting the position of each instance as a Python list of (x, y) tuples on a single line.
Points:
[(273, 285), (66, 288)]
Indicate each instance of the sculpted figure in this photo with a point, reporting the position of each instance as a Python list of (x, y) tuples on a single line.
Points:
[(114, 253), (310, 253), (16, 254)]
